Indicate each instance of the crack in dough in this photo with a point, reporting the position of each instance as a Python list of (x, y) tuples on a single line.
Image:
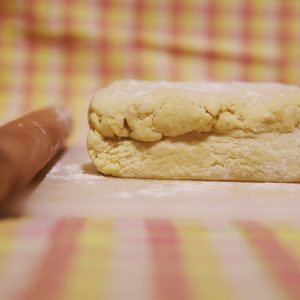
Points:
[(172, 109)]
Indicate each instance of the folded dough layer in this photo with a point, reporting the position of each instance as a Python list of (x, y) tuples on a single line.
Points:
[(205, 131)]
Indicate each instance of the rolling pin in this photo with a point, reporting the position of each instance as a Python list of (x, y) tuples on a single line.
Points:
[(27, 144)]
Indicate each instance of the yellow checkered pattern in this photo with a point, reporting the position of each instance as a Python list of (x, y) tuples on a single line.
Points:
[(62, 51)]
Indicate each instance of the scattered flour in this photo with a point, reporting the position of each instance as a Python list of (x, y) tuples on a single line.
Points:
[(72, 172), (124, 188), (171, 189), (210, 186)]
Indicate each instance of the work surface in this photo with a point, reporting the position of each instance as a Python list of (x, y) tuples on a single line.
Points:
[(108, 238), (71, 186)]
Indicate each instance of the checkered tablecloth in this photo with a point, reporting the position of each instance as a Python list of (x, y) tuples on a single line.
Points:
[(148, 259), (62, 51)]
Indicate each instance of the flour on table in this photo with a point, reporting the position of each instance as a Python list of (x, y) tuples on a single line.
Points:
[(72, 172), (127, 188), (177, 187), (196, 190)]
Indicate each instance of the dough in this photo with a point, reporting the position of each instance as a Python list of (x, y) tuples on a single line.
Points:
[(197, 130)]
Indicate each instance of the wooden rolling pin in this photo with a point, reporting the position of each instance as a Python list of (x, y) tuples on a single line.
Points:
[(27, 144)]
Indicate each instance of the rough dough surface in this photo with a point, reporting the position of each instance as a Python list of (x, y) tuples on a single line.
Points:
[(196, 130)]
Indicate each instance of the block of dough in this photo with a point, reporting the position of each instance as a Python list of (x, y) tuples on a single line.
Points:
[(196, 130)]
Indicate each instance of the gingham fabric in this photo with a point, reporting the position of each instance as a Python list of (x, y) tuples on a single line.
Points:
[(148, 259), (62, 51)]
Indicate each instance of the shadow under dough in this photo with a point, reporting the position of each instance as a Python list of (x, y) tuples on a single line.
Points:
[(89, 168)]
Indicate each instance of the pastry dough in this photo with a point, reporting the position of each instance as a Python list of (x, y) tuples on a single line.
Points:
[(197, 130)]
